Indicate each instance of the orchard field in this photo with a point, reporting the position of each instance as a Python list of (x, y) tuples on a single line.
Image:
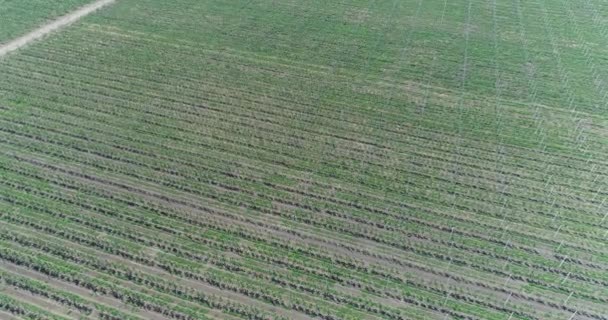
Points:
[(355, 159)]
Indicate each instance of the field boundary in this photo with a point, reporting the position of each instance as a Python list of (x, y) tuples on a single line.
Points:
[(51, 26)]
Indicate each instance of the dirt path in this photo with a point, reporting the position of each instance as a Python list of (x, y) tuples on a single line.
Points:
[(52, 26)]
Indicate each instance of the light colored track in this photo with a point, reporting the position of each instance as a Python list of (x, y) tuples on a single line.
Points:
[(52, 26)]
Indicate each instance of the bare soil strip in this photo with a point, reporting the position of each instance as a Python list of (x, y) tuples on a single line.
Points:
[(52, 26)]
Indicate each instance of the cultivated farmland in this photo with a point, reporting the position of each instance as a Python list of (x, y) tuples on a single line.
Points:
[(20, 16), (264, 159)]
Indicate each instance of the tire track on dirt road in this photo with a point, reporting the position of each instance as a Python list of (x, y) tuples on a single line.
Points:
[(52, 26)]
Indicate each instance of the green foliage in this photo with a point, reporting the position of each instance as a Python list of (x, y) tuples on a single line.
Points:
[(21, 16), (289, 159)]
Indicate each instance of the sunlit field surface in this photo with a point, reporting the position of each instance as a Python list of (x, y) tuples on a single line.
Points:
[(20, 16), (262, 159)]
